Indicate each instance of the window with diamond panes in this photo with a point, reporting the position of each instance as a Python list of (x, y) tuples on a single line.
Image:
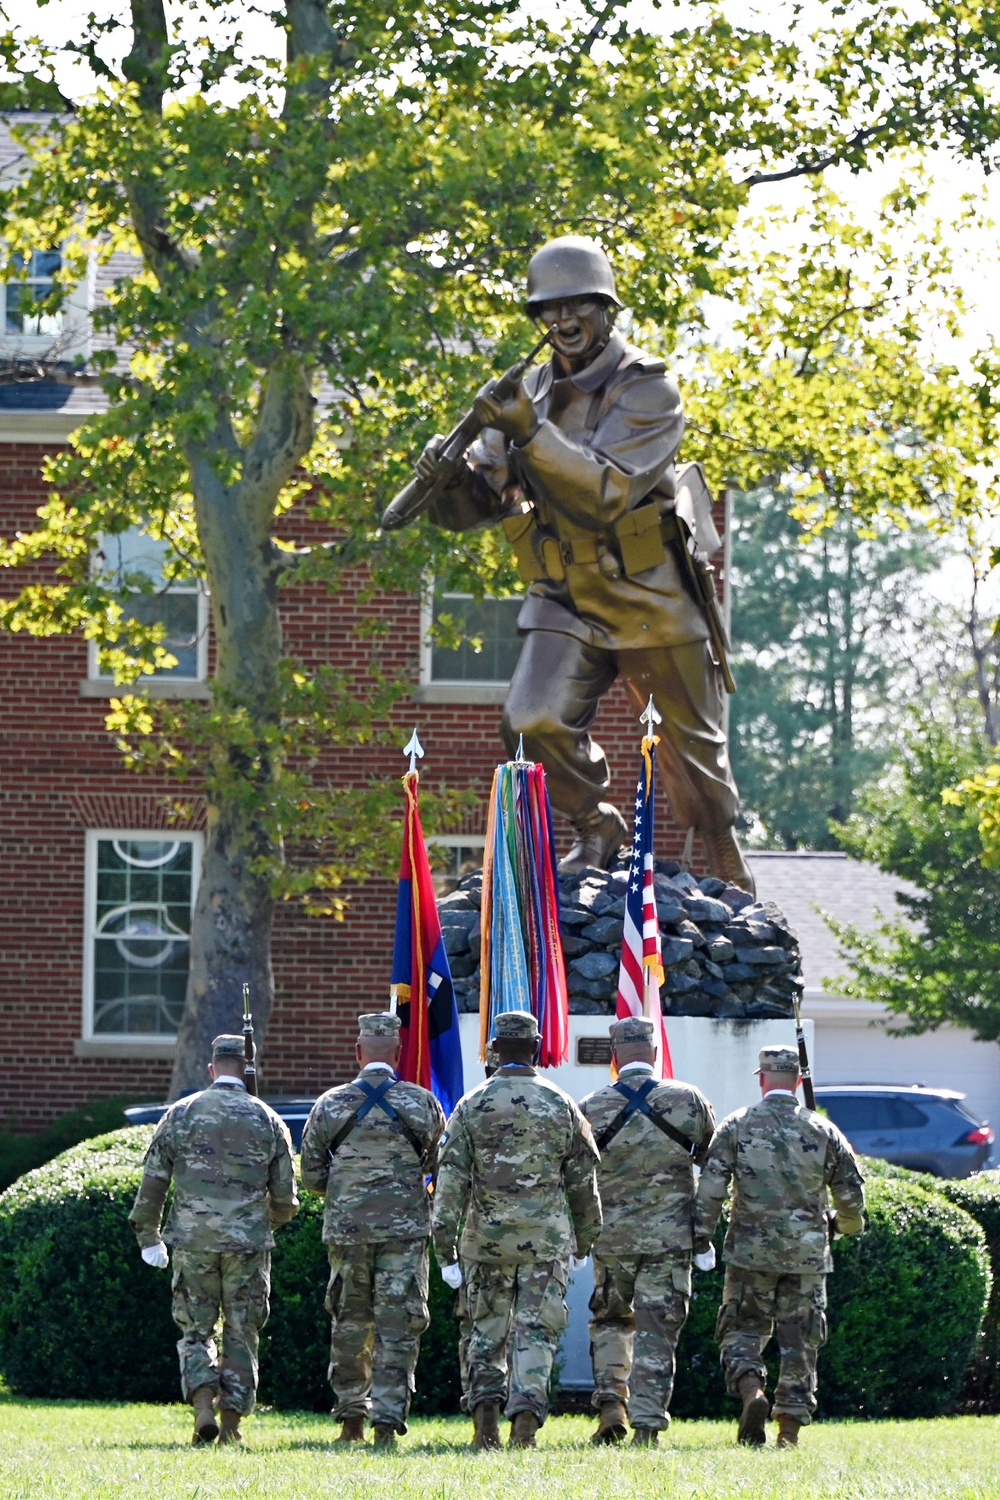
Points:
[(141, 897)]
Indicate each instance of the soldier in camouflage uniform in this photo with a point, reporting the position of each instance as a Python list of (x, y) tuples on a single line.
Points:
[(367, 1146), (462, 1278), (650, 1135), (518, 1171), (783, 1159), (230, 1159)]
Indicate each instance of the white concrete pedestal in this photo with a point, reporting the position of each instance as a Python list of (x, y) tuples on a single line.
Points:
[(719, 1057)]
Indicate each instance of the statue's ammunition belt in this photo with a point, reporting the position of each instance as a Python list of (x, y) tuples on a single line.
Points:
[(633, 545)]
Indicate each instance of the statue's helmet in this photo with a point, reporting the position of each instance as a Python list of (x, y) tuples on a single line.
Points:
[(571, 266)]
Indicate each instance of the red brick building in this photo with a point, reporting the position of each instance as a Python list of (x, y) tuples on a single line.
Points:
[(97, 880)]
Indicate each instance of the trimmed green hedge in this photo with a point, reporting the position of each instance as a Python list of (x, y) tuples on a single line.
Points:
[(82, 1316), (905, 1305), (979, 1196), (22, 1153)]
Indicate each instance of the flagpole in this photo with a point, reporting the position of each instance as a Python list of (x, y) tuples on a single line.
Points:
[(414, 750)]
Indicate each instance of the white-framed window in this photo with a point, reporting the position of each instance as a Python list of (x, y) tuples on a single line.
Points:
[(35, 274), (131, 562), (453, 855), (491, 622), (140, 894)]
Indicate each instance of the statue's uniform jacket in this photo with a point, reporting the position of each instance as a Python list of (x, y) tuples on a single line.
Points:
[(603, 455)]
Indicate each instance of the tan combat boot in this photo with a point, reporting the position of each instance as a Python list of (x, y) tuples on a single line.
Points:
[(523, 1429), (352, 1430), (599, 836), (206, 1428), (754, 1413), (645, 1437), (612, 1425), (385, 1435), (230, 1423), (486, 1426), (788, 1431)]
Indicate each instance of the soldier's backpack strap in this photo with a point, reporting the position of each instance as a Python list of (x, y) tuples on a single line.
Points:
[(637, 1102), (375, 1098)]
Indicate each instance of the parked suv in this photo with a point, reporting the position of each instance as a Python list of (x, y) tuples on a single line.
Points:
[(927, 1130)]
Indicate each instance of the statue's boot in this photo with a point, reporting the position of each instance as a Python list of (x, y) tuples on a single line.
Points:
[(725, 860), (486, 1426), (230, 1423), (754, 1414), (206, 1428), (599, 836), (612, 1425), (523, 1429), (788, 1431), (645, 1437)]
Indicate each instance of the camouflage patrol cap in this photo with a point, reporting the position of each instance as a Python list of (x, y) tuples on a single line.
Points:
[(227, 1045), (378, 1023), (516, 1025), (631, 1029), (778, 1060)]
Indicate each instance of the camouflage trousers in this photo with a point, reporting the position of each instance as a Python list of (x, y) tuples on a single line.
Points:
[(237, 1285), (464, 1335), (637, 1312), (517, 1314), (377, 1301), (757, 1304)]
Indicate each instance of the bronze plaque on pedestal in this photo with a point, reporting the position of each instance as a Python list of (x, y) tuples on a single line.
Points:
[(593, 1051)]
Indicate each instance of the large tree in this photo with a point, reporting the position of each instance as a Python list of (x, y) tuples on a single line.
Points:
[(859, 456), (349, 218), (940, 961), (827, 641)]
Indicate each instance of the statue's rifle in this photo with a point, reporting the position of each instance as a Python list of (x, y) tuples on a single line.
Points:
[(249, 1050), (415, 497)]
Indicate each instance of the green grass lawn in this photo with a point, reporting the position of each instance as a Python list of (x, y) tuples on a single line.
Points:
[(69, 1450)]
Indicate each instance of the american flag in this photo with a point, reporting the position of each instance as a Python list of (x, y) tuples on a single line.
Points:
[(641, 972)]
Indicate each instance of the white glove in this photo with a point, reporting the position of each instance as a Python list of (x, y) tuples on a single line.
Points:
[(452, 1276), (706, 1260), (156, 1255), (577, 1262)]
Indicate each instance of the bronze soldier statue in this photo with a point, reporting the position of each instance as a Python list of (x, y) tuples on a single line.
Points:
[(577, 461)]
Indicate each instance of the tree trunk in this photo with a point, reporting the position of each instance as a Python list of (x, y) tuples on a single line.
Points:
[(234, 910), (230, 946)]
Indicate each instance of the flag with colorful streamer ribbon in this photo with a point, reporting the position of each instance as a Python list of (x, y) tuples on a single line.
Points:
[(522, 964), (422, 993), (640, 973)]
